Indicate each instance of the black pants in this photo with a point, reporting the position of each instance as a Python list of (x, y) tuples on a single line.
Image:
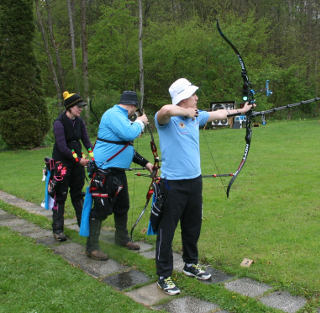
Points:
[(74, 179), (184, 203)]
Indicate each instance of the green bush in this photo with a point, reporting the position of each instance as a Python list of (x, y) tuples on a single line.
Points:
[(23, 115)]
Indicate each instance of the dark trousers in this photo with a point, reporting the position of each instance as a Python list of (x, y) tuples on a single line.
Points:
[(74, 179), (184, 203)]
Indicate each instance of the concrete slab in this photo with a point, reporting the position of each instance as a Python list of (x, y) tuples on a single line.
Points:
[(247, 287), (46, 213), (75, 254), (12, 222), (177, 259), (149, 254), (26, 228), (36, 210), (6, 197), (126, 280), (284, 301), (32, 230), (6, 216), (70, 221), (147, 295), (40, 234), (178, 263), (30, 207), (47, 241), (144, 246), (107, 235), (73, 227), (188, 305), (216, 276)]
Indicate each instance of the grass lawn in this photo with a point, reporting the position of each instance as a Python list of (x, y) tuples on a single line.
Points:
[(34, 279), (272, 215)]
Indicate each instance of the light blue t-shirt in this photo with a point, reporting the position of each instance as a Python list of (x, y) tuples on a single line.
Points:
[(179, 145), (115, 126)]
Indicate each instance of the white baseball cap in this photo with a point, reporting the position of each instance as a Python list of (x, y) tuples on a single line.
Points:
[(181, 89)]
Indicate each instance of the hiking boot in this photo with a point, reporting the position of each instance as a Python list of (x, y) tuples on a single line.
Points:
[(195, 270), (168, 286), (97, 255), (94, 233), (130, 245), (60, 236)]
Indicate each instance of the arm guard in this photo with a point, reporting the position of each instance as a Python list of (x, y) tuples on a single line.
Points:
[(139, 159)]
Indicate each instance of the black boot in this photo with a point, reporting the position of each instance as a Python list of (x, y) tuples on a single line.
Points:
[(93, 249), (58, 222), (78, 205), (121, 234)]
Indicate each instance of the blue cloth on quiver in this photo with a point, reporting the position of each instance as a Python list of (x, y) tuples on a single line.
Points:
[(85, 224), (150, 230), (46, 194)]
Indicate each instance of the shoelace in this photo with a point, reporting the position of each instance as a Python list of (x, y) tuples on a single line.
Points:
[(198, 267), (169, 282)]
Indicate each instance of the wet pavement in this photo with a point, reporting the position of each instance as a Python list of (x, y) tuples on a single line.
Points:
[(136, 284)]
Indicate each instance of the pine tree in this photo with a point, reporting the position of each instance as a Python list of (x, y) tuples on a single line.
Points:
[(23, 114)]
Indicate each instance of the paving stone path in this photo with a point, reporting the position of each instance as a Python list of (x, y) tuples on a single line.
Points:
[(123, 277)]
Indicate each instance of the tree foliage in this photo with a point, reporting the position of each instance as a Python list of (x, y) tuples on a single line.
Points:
[(23, 115), (278, 40)]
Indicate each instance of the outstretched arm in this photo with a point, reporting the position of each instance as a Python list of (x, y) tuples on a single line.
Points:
[(223, 114)]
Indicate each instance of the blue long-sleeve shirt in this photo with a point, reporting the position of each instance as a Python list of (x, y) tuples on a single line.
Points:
[(115, 126)]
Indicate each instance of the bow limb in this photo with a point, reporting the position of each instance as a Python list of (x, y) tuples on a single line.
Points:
[(154, 177), (244, 157), (154, 174), (248, 95), (148, 197)]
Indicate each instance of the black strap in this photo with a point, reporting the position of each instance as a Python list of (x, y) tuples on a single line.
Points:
[(125, 143), (129, 143)]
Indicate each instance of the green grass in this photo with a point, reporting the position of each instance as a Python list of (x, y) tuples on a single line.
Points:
[(272, 215), (34, 279)]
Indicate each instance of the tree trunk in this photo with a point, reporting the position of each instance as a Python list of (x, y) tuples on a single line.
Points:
[(84, 44), (50, 61), (141, 70), (72, 39), (56, 49)]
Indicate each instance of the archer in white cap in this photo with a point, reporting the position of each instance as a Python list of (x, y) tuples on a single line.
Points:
[(178, 128)]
